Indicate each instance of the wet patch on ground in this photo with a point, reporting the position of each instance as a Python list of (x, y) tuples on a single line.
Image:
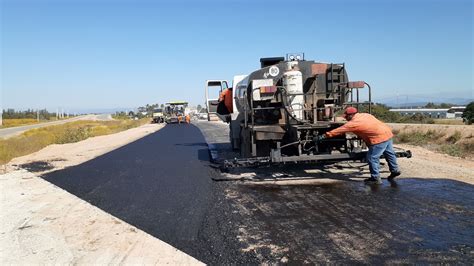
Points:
[(410, 221), (38, 166)]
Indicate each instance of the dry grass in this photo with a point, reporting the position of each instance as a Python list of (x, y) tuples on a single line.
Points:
[(448, 121), (16, 122), (454, 144), (36, 139)]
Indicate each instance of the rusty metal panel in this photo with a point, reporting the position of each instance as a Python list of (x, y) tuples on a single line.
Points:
[(356, 84), (318, 69)]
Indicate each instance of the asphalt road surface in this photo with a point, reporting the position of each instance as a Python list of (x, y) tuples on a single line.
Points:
[(13, 131), (162, 184)]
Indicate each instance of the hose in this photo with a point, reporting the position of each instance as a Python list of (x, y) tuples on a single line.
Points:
[(285, 106), (294, 143)]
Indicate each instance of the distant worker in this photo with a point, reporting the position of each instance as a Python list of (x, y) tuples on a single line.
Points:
[(225, 101), (377, 136), (180, 118), (188, 118)]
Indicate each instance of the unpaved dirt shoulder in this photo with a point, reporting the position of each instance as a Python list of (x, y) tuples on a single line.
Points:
[(41, 223), (429, 164), (465, 130), (426, 163)]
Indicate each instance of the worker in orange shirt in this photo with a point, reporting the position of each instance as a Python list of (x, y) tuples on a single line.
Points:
[(226, 98), (180, 118), (377, 136), (188, 118)]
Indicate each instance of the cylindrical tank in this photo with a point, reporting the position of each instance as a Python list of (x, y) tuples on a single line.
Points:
[(240, 85), (293, 82)]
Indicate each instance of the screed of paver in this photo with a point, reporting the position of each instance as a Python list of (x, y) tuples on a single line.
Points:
[(41, 223)]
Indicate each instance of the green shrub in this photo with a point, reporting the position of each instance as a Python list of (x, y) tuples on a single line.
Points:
[(468, 114), (71, 135), (454, 137), (458, 149), (452, 149)]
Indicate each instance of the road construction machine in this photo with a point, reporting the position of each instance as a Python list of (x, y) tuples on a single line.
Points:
[(280, 110), (157, 116), (173, 110)]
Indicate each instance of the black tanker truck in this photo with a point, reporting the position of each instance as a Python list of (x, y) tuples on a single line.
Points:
[(280, 109)]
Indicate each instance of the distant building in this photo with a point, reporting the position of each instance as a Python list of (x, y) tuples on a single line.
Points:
[(453, 112)]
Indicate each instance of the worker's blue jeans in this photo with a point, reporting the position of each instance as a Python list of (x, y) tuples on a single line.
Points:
[(373, 157)]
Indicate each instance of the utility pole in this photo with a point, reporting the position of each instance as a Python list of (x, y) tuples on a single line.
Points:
[(37, 115)]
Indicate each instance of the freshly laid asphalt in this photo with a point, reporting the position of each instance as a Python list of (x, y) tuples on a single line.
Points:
[(160, 184), (163, 185)]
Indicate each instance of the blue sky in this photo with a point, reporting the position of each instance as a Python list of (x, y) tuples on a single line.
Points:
[(107, 54)]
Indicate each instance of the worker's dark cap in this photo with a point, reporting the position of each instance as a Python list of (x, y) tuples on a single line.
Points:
[(350, 111)]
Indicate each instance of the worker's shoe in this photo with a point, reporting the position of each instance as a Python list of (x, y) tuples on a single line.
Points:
[(393, 175), (373, 180)]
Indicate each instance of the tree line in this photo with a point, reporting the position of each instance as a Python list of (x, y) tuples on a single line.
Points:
[(29, 113), (383, 113)]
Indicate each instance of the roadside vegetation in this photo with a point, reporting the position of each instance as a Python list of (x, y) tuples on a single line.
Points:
[(36, 139), (123, 115), (452, 143), (383, 113), (15, 122), (442, 121), (468, 115), (14, 118)]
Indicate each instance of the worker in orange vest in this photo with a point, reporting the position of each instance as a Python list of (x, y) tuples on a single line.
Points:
[(378, 137), (180, 118), (188, 119)]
